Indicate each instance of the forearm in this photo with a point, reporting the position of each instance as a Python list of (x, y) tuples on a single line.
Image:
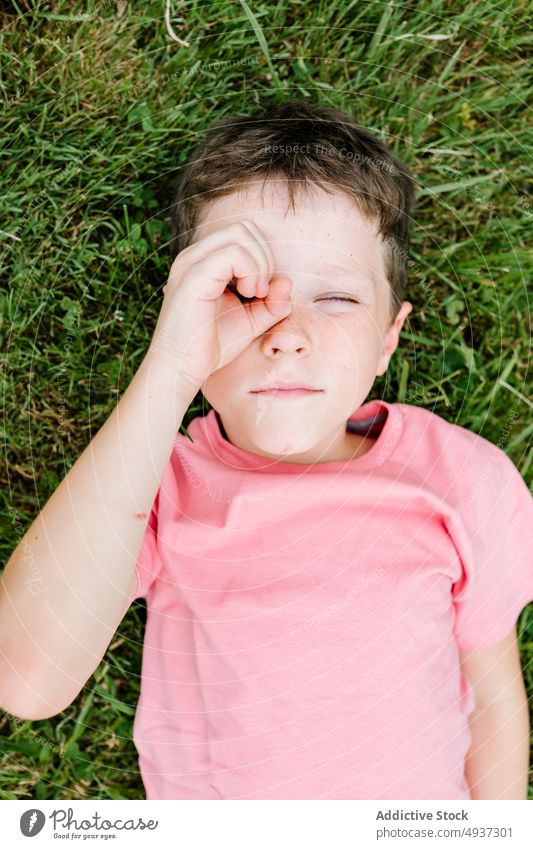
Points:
[(65, 588), (498, 758)]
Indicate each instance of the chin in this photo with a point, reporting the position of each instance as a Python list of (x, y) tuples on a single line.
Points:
[(283, 442)]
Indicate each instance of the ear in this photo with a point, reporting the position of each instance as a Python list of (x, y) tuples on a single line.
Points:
[(392, 337)]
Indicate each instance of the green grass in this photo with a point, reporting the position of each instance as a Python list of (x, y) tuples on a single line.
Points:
[(99, 112)]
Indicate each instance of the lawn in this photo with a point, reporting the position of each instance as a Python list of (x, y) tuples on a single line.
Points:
[(100, 109)]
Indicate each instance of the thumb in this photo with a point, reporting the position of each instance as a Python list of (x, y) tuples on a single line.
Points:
[(278, 297)]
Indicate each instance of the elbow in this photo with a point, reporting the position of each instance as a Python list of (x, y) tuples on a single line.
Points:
[(28, 711), (25, 702), (32, 692)]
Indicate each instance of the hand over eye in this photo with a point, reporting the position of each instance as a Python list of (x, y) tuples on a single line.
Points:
[(232, 287)]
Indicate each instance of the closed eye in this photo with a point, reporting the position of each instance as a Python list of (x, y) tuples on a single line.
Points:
[(336, 298)]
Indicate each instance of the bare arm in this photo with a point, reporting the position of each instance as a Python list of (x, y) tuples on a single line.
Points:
[(80, 552), (497, 761), (71, 578)]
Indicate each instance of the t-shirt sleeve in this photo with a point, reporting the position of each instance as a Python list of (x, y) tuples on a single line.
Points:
[(497, 579), (148, 562)]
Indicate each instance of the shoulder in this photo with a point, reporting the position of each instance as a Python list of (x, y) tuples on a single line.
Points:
[(426, 427), (450, 450)]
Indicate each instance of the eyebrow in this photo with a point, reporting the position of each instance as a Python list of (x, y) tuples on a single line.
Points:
[(354, 276)]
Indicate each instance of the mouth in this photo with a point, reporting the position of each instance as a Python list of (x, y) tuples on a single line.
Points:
[(286, 393)]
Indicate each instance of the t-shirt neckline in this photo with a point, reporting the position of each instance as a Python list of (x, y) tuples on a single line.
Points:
[(369, 413)]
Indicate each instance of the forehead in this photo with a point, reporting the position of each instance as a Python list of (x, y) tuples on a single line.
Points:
[(324, 230)]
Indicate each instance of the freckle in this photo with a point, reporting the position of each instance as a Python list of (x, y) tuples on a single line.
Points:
[(140, 516)]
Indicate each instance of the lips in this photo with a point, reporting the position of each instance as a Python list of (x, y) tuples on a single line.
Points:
[(286, 386), (286, 393)]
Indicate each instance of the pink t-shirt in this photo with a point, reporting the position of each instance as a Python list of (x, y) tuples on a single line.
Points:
[(303, 622)]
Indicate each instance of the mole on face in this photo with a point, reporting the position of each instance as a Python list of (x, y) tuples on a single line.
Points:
[(140, 515)]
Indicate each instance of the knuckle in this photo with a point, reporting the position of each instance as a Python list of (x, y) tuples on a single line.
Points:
[(182, 256), (247, 229), (239, 228), (245, 255)]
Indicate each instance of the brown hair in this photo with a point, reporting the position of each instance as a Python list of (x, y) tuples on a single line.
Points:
[(303, 143)]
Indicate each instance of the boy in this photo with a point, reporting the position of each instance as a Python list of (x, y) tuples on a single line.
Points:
[(332, 585)]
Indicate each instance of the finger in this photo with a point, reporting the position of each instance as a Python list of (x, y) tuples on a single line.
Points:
[(277, 305), (240, 232), (267, 251), (210, 276), (245, 237), (278, 298)]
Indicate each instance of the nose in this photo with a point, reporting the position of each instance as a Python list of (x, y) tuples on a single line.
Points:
[(286, 337)]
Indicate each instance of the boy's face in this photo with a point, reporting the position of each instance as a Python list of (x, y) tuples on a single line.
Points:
[(327, 248)]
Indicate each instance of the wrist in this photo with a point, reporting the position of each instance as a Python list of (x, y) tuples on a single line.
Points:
[(166, 377)]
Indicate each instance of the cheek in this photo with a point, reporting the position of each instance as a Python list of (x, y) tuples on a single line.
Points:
[(354, 340), (215, 386), (222, 383)]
